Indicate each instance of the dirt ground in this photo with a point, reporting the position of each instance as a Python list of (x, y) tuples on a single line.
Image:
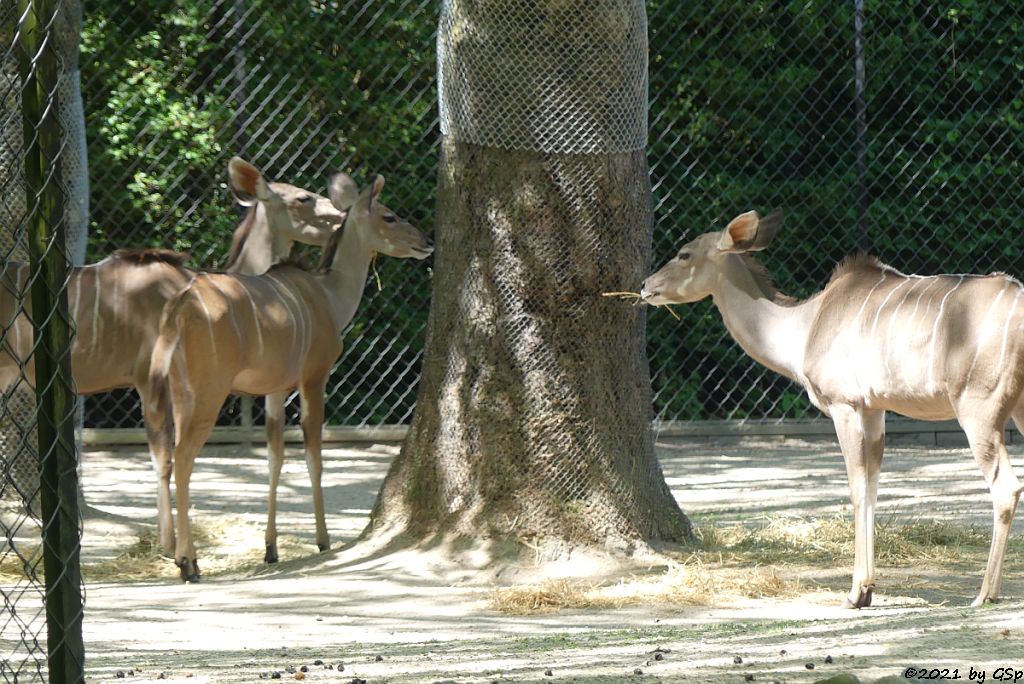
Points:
[(405, 619)]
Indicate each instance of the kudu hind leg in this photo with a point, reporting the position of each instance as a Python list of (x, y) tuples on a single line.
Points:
[(989, 450), (160, 436), (312, 434), (862, 439), (275, 459), (194, 418)]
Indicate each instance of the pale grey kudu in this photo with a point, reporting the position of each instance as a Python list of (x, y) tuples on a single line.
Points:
[(874, 340)]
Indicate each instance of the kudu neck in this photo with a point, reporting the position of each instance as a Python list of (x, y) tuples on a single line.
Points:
[(346, 280), (260, 248), (773, 334)]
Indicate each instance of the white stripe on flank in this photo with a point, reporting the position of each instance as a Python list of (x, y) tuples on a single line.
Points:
[(935, 331), (983, 335), (209, 321), (276, 286), (304, 326), (255, 314), (231, 312), (17, 337), (77, 292), (874, 324), (917, 303), (867, 298), (890, 343), (95, 310), (1006, 330)]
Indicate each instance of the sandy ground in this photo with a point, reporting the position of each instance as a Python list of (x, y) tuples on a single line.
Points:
[(399, 619)]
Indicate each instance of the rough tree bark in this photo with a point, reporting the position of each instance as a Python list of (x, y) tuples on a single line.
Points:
[(532, 430), (533, 417)]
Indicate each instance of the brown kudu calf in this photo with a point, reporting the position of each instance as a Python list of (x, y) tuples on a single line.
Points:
[(269, 334), (874, 340), (116, 303)]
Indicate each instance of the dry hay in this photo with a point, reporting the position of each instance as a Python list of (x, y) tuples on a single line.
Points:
[(739, 562), (691, 583), (228, 545), (795, 540)]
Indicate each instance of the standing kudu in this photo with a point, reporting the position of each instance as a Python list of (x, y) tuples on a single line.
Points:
[(116, 303), (874, 340), (269, 334)]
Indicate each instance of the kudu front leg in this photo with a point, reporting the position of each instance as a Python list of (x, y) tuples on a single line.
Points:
[(275, 459), (862, 438), (989, 450), (312, 434)]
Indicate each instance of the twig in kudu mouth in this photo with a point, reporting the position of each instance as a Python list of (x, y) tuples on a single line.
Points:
[(636, 297)]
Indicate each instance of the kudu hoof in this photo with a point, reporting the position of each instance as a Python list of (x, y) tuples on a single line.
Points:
[(863, 601), (189, 570), (983, 600), (271, 555), (323, 547)]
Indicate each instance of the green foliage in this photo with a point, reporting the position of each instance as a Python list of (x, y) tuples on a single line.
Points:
[(752, 106), (174, 88)]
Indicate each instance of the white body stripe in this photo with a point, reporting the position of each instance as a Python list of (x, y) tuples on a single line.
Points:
[(935, 331), (94, 332), (255, 314), (867, 298), (209, 321), (984, 333), (892, 320), (231, 311), (1006, 329)]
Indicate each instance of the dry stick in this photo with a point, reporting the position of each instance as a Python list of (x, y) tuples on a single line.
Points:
[(373, 265), (636, 296)]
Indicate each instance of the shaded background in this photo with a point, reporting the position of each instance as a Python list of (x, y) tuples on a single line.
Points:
[(752, 105)]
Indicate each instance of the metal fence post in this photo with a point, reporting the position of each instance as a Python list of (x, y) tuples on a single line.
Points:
[(863, 241), (43, 144)]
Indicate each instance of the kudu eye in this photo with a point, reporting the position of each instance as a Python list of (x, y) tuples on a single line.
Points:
[(684, 256), (389, 218), (306, 199)]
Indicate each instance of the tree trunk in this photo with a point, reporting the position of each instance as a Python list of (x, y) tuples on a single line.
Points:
[(533, 420)]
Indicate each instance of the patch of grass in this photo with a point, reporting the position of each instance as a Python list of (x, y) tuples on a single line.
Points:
[(737, 562), (793, 540), (225, 544), (690, 583)]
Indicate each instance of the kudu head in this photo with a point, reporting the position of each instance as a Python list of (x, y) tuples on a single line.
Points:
[(378, 228), (692, 274), (291, 214)]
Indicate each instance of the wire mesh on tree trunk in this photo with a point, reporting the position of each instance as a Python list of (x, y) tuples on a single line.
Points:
[(44, 215), (533, 417)]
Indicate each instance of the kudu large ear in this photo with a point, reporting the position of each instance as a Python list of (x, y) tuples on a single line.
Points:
[(373, 191), (343, 191), (749, 232), (246, 182)]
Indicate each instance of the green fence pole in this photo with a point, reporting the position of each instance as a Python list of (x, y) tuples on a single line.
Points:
[(43, 144)]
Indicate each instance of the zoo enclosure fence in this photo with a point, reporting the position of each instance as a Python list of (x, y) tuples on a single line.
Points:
[(900, 133), (43, 200)]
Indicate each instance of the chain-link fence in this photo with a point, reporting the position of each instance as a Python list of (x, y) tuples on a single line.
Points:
[(752, 105), (43, 207)]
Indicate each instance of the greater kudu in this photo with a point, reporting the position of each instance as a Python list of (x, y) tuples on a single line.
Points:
[(269, 334), (874, 340), (116, 303)]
